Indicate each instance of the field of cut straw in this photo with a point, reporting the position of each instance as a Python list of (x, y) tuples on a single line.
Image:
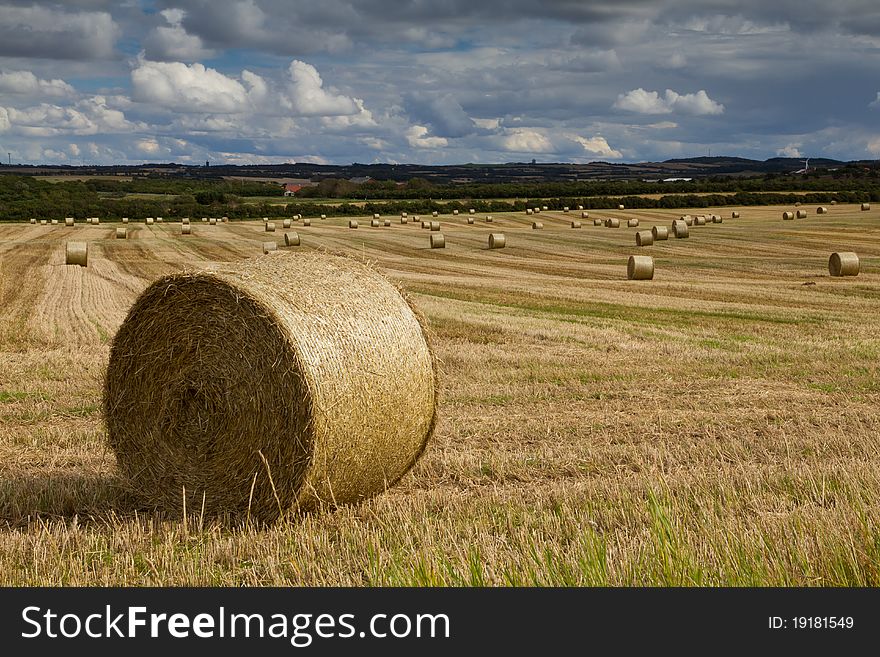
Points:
[(717, 425)]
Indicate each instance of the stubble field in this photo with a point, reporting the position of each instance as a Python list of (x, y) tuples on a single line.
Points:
[(715, 426)]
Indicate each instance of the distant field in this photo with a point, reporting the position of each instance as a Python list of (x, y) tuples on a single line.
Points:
[(717, 425), (55, 179)]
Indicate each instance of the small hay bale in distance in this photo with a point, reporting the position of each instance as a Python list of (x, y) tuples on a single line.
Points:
[(528, 211), (43, 222), (797, 204), (497, 241), (434, 213), (565, 209), (640, 268), (269, 227), (387, 223), (734, 215), (96, 220), (291, 239), (632, 223), (585, 215), (376, 216), (404, 220), (225, 220), (597, 222), (621, 207), (834, 202), (54, 222), (121, 233), (149, 221), (470, 220), (613, 222), (437, 241), (580, 207), (716, 219), (699, 221), (472, 211), (489, 219), (644, 238), (845, 263), (213, 222), (185, 220), (545, 208), (680, 229), (434, 225), (323, 216), (268, 247), (374, 223), (33, 220), (286, 223), (265, 220), (403, 215), (311, 417), (455, 212), (537, 225), (575, 224), (307, 222), (352, 223), (788, 216), (77, 253), (125, 220), (426, 224), (68, 221), (158, 220), (866, 207), (801, 214), (660, 233), (821, 210), (204, 220), (186, 229)]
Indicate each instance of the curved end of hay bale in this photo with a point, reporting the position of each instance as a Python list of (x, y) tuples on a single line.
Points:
[(403, 214), (537, 225), (270, 227), (291, 239), (632, 223), (821, 210), (801, 214), (680, 229), (866, 207), (497, 241), (585, 215), (640, 268), (77, 253), (845, 263), (186, 229), (597, 222), (734, 215), (644, 238), (470, 220), (404, 220), (311, 417), (374, 223), (121, 233), (787, 216), (268, 247), (575, 224), (660, 233), (438, 241), (434, 225), (352, 223), (612, 223), (286, 223)]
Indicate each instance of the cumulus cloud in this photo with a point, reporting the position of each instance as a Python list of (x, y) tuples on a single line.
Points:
[(172, 42), (597, 146), (526, 141), (56, 34), (876, 102), (442, 112), (873, 146), (88, 116), (73, 149), (25, 83), (789, 150), (187, 88), (651, 102), (417, 137), (147, 145), (305, 94)]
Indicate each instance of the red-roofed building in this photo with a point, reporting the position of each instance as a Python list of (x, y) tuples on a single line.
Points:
[(290, 189)]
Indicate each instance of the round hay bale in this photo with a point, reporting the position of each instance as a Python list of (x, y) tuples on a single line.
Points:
[(801, 214), (269, 227), (426, 224), (575, 224), (699, 221), (434, 213), (472, 211), (225, 220), (213, 222), (845, 263), (435, 225), (489, 219), (680, 229), (640, 268), (352, 223), (311, 416), (403, 215), (376, 216), (158, 220), (374, 223), (720, 220), (797, 204), (545, 208), (580, 207), (204, 220), (387, 223), (185, 220), (186, 229), (866, 207), (77, 253), (54, 222), (455, 212), (660, 233), (821, 210), (644, 238), (307, 222), (565, 209), (787, 216), (497, 241), (528, 211), (33, 220), (632, 223), (43, 222), (404, 220), (470, 220), (268, 247), (291, 239), (585, 215), (68, 221), (834, 202), (620, 207), (734, 215), (614, 222), (323, 216), (438, 241), (286, 223), (415, 219), (597, 222), (537, 225), (688, 220), (149, 221), (121, 233)]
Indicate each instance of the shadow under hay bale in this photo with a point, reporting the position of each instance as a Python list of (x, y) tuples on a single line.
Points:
[(310, 417)]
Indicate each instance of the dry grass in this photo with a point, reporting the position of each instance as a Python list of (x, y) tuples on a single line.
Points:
[(742, 451)]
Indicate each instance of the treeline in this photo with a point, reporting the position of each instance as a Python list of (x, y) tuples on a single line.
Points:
[(210, 188)]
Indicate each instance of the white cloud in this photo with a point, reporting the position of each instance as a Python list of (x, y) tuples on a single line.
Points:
[(73, 149), (651, 102), (526, 141), (172, 42), (56, 34), (305, 94), (597, 146), (873, 147), (187, 88), (26, 83), (86, 117), (876, 102), (4, 120), (417, 138), (789, 150), (148, 145)]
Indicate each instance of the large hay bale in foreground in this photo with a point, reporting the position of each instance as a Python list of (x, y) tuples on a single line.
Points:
[(121, 233), (660, 233), (680, 229), (291, 239), (640, 268), (845, 263), (438, 241), (497, 241), (77, 253), (644, 238), (312, 415)]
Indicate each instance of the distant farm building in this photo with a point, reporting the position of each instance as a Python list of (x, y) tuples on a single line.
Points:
[(290, 189)]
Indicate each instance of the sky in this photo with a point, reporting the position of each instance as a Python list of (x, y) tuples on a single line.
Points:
[(437, 81)]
